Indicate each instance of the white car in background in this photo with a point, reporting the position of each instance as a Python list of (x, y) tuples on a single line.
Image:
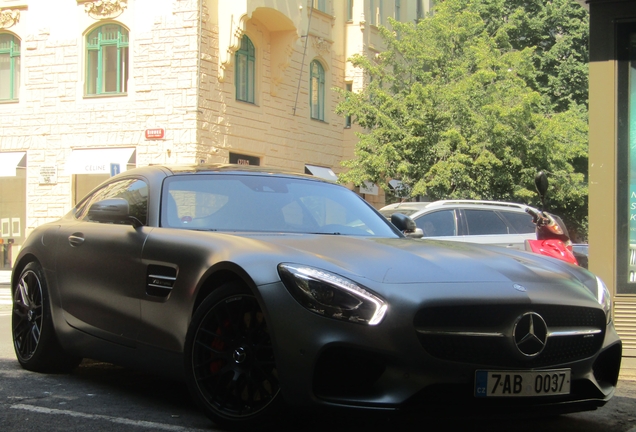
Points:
[(486, 222)]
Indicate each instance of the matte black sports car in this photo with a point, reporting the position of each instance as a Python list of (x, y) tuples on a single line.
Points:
[(266, 290)]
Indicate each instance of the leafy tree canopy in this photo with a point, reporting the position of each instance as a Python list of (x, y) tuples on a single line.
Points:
[(466, 105)]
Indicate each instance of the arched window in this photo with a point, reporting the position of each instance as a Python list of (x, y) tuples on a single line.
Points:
[(317, 91), (245, 71), (9, 67), (107, 60)]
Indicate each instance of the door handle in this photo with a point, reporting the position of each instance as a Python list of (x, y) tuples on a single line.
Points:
[(76, 239)]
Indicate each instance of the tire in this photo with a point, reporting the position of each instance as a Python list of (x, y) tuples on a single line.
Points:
[(229, 361), (34, 339)]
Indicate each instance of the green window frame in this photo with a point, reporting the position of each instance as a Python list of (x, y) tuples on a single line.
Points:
[(419, 10), (374, 16), (349, 10), (321, 5), (398, 10), (107, 60), (317, 90), (245, 71), (9, 67)]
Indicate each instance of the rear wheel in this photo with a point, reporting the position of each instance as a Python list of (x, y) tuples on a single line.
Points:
[(230, 364), (36, 345)]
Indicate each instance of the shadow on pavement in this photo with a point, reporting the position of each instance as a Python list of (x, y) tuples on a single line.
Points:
[(105, 389)]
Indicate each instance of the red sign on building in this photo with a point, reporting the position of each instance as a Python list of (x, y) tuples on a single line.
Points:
[(156, 133)]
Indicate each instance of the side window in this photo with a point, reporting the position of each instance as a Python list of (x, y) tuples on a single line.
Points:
[(436, 224), (137, 196), (317, 91), (521, 222), (484, 222), (9, 67), (132, 190), (107, 60), (245, 71)]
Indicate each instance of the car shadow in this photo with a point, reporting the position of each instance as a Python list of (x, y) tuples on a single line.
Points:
[(105, 389)]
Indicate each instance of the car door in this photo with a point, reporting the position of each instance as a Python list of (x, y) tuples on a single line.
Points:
[(99, 270)]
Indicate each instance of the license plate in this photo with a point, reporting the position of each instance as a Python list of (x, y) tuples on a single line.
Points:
[(522, 383)]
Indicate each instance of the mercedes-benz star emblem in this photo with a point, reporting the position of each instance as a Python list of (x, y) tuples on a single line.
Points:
[(239, 355), (530, 333)]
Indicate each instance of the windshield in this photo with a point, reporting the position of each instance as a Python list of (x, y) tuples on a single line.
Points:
[(234, 202)]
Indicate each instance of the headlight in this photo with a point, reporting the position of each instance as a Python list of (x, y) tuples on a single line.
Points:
[(604, 298), (330, 295)]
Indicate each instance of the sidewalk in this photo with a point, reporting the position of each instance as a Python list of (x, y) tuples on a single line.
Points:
[(5, 292), (5, 277)]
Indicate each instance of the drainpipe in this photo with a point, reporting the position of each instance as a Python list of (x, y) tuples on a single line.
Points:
[(302, 64)]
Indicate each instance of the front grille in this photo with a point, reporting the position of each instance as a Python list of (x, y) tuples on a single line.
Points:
[(441, 332)]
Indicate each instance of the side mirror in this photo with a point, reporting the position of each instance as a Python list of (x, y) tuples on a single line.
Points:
[(406, 225), (113, 210), (541, 183), (417, 233)]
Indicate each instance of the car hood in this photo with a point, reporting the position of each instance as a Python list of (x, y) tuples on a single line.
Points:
[(403, 260)]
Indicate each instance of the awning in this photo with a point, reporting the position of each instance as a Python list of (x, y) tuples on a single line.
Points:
[(322, 172), (9, 161), (100, 161), (369, 188), (395, 184), (399, 188)]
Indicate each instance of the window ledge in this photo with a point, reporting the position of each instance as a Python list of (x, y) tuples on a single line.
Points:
[(326, 14), (254, 104), (105, 95)]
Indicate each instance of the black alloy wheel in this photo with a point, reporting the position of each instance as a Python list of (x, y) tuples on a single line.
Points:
[(34, 340), (27, 314), (230, 360)]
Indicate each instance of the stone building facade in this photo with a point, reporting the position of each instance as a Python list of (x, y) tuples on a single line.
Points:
[(89, 88)]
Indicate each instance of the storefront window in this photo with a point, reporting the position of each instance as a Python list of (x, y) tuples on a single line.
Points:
[(626, 202), (12, 216)]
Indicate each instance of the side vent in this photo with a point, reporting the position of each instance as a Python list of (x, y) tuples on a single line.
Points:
[(160, 280)]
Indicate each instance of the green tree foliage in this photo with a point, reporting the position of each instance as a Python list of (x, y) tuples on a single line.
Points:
[(558, 31), (464, 105)]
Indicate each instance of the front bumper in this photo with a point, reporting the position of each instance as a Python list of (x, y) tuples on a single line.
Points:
[(324, 362)]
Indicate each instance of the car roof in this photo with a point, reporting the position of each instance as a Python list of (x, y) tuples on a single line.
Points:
[(220, 168), (419, 207), (410, 205)]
